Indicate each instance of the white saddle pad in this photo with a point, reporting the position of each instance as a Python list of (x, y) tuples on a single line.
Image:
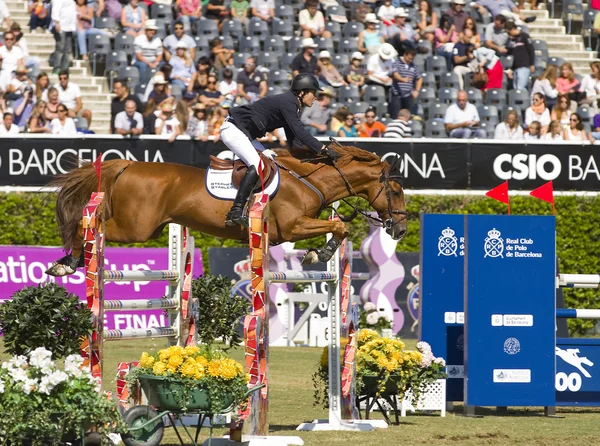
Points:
[(218, 184)]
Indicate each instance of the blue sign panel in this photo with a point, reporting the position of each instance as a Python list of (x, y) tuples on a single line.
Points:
[(509, 310), (441, 310), (577, 372)]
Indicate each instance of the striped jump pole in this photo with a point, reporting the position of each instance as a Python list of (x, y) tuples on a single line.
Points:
[(178, 302), (578, 281), (573, 313)]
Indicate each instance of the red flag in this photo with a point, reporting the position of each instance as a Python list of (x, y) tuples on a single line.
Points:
[(98, 169), (546, 193), (500, 193)]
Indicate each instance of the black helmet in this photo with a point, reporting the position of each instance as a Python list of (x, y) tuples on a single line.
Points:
[(305, 81)]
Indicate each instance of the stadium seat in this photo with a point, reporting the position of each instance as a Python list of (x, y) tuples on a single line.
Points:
[(475, 96), (105, 23), (99, 47), (202, 44), (358, 108), (437, 65), (81, 123), (348, 46), (425, 46), (176, 91), (586, 113), (227, 42), (448, 95), (285, 12), (208, 28), (240, 58), (570, 8), (258, 28), (589, 15), (435, 129), (268, 60), (519, 99), (274, 44), (507, 62), (541, 49), (140, 92), (340, 61), (124, 42), (438, 111), (114, 61), (420, 61), (495, 96), (335, 10), (427, 97), (489, 128), (233, 28), (335, 29), (286, 60), (294, 45), (130, 73), (449, 80), (324, 45), (283, 28), (374, 94), (250, 44), (349, 93), (279, 78), (488, 113), (158, 11), (352, 29), (416, 128), (273, 90), (428, 80), (557, 61)]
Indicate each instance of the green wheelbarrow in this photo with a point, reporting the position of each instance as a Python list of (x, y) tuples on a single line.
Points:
[(145, 422)]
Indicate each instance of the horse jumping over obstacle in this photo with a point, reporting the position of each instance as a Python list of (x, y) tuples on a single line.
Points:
[(141, 198)]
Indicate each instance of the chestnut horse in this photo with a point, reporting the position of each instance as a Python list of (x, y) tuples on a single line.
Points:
[(141, 198)]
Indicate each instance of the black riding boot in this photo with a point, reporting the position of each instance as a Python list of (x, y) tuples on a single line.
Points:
[(235, 216)]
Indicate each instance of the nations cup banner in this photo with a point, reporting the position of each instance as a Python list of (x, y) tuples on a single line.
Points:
[(22, 266), (425, 163)]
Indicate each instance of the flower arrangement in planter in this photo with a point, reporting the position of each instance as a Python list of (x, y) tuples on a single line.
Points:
[(44, 405), (370, 318)]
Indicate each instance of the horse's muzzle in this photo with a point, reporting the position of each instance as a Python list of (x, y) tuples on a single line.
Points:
[(396, 230)]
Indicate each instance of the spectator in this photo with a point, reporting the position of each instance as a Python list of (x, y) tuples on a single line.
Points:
[(462, 55), (561, 110), (221, 57), (496, 37), (171, 41), (12, 56), (555, 131), (182, 112), (24, 108), (348, 129), (399, 128), (217, 10), (305, 62), (568, 84), (228, 86), (64, 19), (371, 128), (509, 130), (197, 127), (546, 85), (503, 7), (149, 115), (428, 20), (200, 77), (52, 105), (458, 14), (538, 111), (8, 127), (462, 119), (31, 62), (211, 96), (316, 118), (369, 39), (596, 26), (354, 74), (407, 82), (42, 84), (263, 9), (129, 121), (251, 84), (148, 51), (239, 10), (63, 125), (380, 66), (216, 119), (590, 86), (400, 35), (159, 92), (470, 24), (386, 12), (133, 19), (69, 95), (183, 66), (574, 131), (122, 95), (85, 15), (521, 48), (5, 20), (312, 22), (18, 84), (37, 123), (338, 119), (39, 15), (445, 38), (489, 63), (534, 132), (328, 73), (166, 123), (190, 12)]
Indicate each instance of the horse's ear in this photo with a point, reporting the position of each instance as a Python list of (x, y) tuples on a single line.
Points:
[(395, 165), (334, 142)]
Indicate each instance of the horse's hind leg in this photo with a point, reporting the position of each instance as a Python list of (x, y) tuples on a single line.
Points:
[(68, 264)]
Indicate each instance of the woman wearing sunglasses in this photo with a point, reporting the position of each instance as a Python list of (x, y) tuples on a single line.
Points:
[(63, 125)]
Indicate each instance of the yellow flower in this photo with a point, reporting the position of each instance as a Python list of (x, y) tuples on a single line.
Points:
[(190, 350), (229, 368), (366, 335), (159, 368), (214, 368), (202, 361), (175, 361), (324, 357), (146, 361)]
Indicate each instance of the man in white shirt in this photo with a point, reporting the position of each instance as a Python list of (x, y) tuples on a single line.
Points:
[(129, 121), (64, 25), (8, 127), (263, 9), (18, 84), (12, 56), (5, 21), (380, 65), (171, 41), (462, 119), (31, 62), (312, 22), (69, 94), (148, 51)]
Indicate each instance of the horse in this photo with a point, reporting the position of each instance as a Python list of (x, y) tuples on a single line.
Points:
[(141, 198)]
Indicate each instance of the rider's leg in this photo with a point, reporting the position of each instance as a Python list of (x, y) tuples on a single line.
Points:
[(245, 149)]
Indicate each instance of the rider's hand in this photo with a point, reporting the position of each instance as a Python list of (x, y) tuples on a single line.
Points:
[(331, 154)]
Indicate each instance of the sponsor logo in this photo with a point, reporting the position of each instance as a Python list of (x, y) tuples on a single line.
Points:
[(512, 375), (523, 166), (494, 244), (447, 243), (512, 346)]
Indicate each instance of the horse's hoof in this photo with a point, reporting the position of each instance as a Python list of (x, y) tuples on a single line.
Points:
[(311, 256), (59, 270)]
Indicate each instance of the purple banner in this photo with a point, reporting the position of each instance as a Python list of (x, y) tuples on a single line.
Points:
[(22, 266)]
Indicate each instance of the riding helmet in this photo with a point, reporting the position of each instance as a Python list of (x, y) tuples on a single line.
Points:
[(305, 81)]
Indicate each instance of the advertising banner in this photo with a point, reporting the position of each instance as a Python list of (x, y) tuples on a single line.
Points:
[(22, 266)]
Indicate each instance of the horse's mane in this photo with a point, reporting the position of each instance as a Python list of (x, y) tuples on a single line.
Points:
[(348, 153)]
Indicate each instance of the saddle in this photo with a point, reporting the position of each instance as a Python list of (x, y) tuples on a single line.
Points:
[(239, 169)]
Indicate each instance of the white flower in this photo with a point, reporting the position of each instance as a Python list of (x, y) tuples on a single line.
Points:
[(29, 385), (73, 365), (424, 347), (427, 359), (16, 362), (1, 386), (40, 357), (45, 386), (372, 318), (440, 361), (56, 377), (18, 374), (369, 306)]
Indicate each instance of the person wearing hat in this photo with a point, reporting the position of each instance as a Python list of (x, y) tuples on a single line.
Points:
[(380, 66), (247, 123), (355, 73), (167, 123), (312, 21), (183, 66), (369, 39), (305, 62), (171, 41), (400, 35), (148, 50), (317, 117), (328, 73), (160, 90), (458, 14), (197, 127), (64, 26), (18, 84)]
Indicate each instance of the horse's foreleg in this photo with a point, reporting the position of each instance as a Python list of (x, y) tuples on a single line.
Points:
[(306, 227)]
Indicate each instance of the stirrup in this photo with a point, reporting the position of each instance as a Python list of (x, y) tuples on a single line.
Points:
[(232, 219)]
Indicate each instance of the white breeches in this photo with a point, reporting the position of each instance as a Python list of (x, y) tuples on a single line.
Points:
[(241, 145)]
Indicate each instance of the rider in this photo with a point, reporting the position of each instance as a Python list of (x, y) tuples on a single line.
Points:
[(246, 123)]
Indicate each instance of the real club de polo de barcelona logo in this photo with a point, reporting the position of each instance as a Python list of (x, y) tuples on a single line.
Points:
[(494, 244), (447, 243)]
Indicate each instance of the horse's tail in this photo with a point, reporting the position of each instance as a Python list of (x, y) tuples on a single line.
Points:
[(76, 187)]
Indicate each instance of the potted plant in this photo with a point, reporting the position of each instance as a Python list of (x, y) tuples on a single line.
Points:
[(370, 318), (43, 404)]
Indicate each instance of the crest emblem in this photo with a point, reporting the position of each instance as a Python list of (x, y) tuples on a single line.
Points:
[(447, 243), (460, 343), (512, 346), (494, 244)]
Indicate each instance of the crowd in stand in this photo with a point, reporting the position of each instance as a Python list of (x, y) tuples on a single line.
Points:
[(388, 68)]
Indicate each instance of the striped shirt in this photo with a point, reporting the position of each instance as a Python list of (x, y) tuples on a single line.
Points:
[(150, 50), (398, 129), (410, 71)]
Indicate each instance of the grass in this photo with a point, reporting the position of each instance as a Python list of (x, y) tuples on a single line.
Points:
[(291, 398)]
